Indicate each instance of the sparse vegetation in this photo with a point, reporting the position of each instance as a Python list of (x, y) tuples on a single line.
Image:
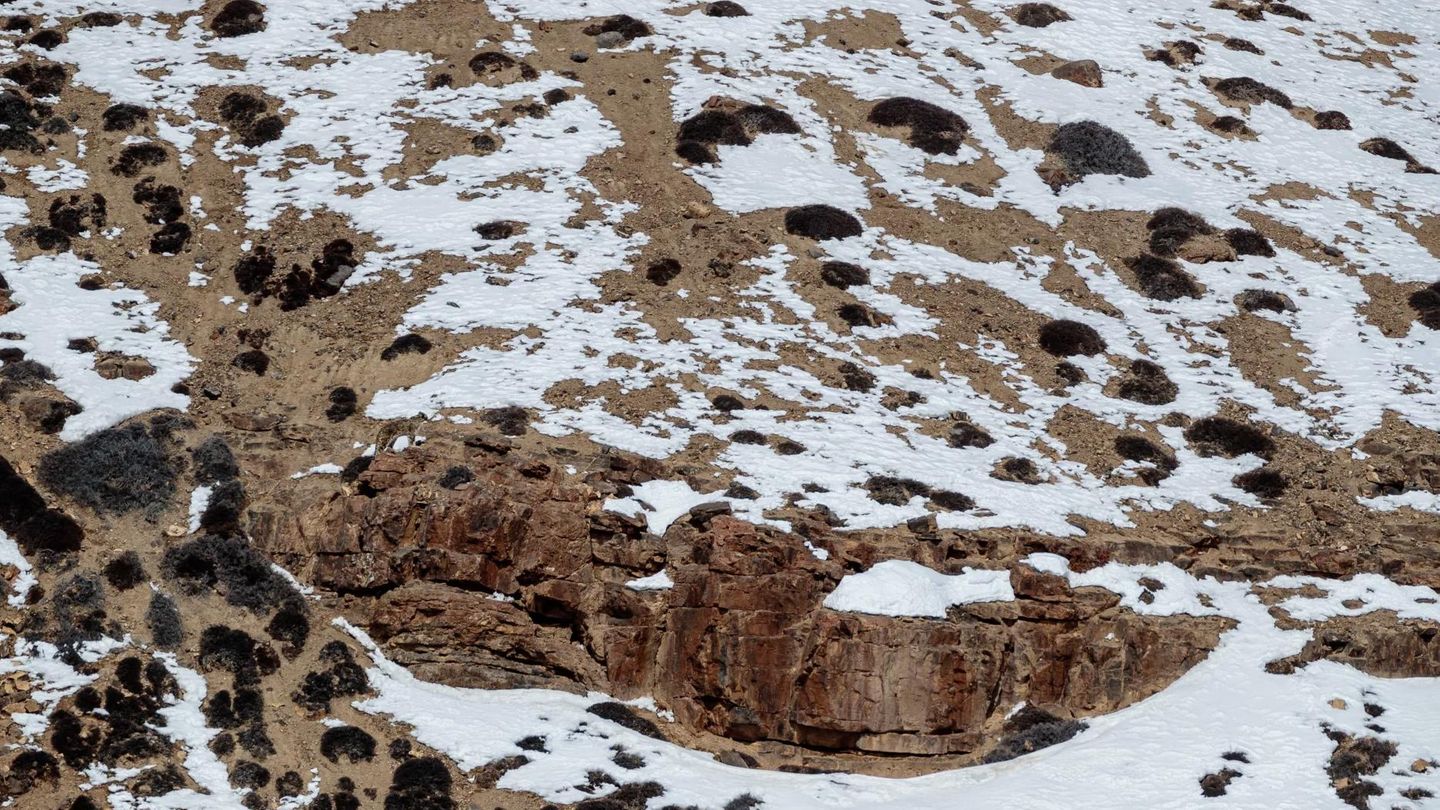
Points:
[(116, 471), (1089, 148), (1219, 436)]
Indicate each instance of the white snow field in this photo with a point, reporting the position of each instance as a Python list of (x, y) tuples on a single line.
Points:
[(347, 114), (348, 111)]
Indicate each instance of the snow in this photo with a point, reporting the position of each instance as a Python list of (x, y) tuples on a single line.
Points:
[(661, 502), (658, 581), (24, 578), (1156, 749), (904, 588)]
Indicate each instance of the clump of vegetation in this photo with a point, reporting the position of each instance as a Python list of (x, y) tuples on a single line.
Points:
[(1219, 436), (422, 782), (342, 404), (725, 8), (1249, 91), (1089, 148), (115, 471), (238, 18), (821, 222), (1162, 279), (1217, 783), (246, 116), (163, 618), (1269, 300), (1332, 119), (498, 64), (290, 626), (343, 678), (229, 566), (1264, 482), (409, 343), (1386, 148), (952, 501), (1030, 730), (1066, 338), (1249, 242), (933, 129), (123, 117), (623, 715), (663, 271), (125, 571), (355, 744), (1426, 303), (894, 491), (214, 462), (1147, 383), (844, 275), (138, 157), (966, 434), (1038, 15)]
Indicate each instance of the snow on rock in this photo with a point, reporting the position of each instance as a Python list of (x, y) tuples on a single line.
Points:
[(661, 502), (658, 581), (1156, 749), (904, 588)]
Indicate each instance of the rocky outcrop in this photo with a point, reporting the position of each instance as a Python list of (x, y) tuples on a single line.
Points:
[(516, 578)]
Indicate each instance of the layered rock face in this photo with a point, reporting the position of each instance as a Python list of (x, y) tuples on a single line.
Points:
[(516, 578)]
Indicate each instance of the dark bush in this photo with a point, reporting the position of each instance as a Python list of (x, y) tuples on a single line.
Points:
[(1426, 303), (1033, 738), (290, 626), (1249, 242), (623, 24), (933, 129), (254, 270), (241, 108), (1237, 44), (695, 152), (895, 491), (163, 619), (214, 462), (1246, 90), (1219, 436), (123, 117), (1039, 15), (821, 222), (623, 715), (490, 63), (1332, 119), (1147, 383), (629, 796), (234, 651), (1217, 783), (844, 275), (76, 214), (355, 468), (953, 501), (1091, 148), (162, 203), (125, 571), (254, 361), (115, 471), (261, 131), (1386, 148), (1162, 279), (225, 508), (1286, 10), (747, 437), (857, 315), (1256, 300), (137, 157), (249, 774), (1019, 470), (455, 476), (49, 39), (342, 404), (238, 18), (1141, 449), (725, 8), (30, 767), (762, 119), (289, 784), (38, 78), (729, 402), (1065, 338), (410, 343), (511, 420), (1264, 482), (713, 127), (170, 239), (353, 743), (499, 229), (1179, 219), (662, 272), (422, 783), (227, 564), (966, 434)]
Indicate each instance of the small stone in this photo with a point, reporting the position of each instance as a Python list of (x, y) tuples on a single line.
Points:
[(1337, 703), (1420, 766), (174, 530), (697, 210), (579, 56), (1084, 72), (609, 39)]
